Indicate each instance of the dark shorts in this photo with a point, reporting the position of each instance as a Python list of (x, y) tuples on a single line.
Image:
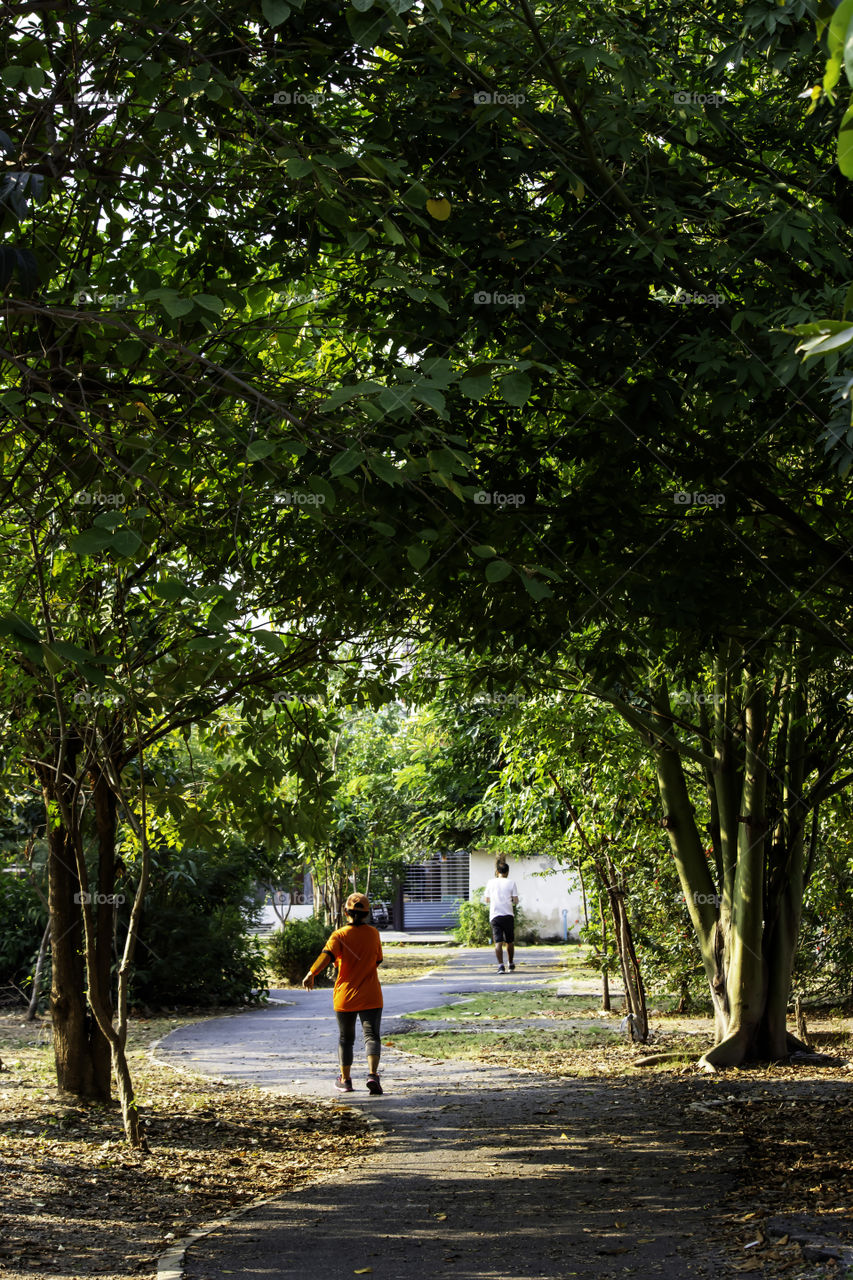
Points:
[(503, 928)]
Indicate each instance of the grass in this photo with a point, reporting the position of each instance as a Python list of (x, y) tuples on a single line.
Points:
[(563, 1050), (404, 962), (511, 1004)]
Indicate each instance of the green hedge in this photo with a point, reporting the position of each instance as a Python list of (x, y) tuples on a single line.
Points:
[(292, 950)]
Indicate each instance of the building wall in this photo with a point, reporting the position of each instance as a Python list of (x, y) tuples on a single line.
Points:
[(545, 890)]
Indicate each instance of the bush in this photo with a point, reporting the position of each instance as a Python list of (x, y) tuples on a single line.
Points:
[(474, 930), (193, 945), (188, 958), (293, 948), (22, 921)]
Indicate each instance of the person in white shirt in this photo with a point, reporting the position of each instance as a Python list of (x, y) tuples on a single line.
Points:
[(502, 896)]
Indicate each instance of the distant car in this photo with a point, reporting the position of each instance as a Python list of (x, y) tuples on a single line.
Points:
[(381, 915)]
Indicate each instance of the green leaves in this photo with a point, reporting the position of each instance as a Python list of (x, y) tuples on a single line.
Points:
[(845, 143), (476, 387), (275, 11), (497, 570), (829, 336), (333, 214), (12, 624), (346, 461), (91, 542), (259, 449), (516, 388), (839, 45), (109, 532)]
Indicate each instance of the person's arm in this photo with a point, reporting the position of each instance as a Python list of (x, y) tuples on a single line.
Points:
[(515, 894), (319, 966)]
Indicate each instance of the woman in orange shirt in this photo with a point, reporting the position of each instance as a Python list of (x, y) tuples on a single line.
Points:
[(357, 949)]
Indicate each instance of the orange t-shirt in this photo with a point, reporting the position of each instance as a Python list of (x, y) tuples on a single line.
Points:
[(358, 950)]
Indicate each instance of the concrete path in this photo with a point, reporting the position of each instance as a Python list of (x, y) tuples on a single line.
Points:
[(481, 1174)]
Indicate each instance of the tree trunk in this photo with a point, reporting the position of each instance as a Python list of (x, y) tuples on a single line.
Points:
[(747, 927), (95, 938), (605, 979), (80, 1050), (32, 1009), (632, 978)]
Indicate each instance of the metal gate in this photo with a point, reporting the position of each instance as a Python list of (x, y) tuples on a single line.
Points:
[(432, 891)]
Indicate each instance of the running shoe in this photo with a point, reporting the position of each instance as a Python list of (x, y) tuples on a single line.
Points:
[(343, 1086), (373, 1085), (512, 968), (501, 969)]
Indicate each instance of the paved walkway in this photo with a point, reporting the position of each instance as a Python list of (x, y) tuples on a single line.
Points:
[(481, 1175)]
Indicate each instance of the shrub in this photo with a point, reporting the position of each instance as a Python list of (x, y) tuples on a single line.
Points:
[(193, 945), (22, 921), (474, 930), (293, 948), (189, 958)]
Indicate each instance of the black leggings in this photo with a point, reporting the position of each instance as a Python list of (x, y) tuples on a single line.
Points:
[(370, 1020)]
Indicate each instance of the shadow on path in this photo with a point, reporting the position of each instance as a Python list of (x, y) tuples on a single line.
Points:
[(482, 1174)]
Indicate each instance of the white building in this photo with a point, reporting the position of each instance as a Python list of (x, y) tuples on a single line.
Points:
[(549, 894), (432, 890)]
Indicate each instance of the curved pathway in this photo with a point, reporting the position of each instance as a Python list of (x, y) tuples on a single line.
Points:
[(481, 1174)]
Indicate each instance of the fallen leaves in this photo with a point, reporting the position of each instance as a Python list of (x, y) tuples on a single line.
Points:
[(212, 1148)]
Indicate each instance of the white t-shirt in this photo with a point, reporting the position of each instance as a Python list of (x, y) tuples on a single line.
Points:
[(500, 891)]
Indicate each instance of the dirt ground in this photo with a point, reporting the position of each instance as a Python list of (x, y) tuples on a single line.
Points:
[(76, 1201)]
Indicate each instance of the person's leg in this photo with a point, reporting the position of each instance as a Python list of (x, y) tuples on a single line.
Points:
[(346, 1040), (509, 935), (498, 935), (371, 1020)]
